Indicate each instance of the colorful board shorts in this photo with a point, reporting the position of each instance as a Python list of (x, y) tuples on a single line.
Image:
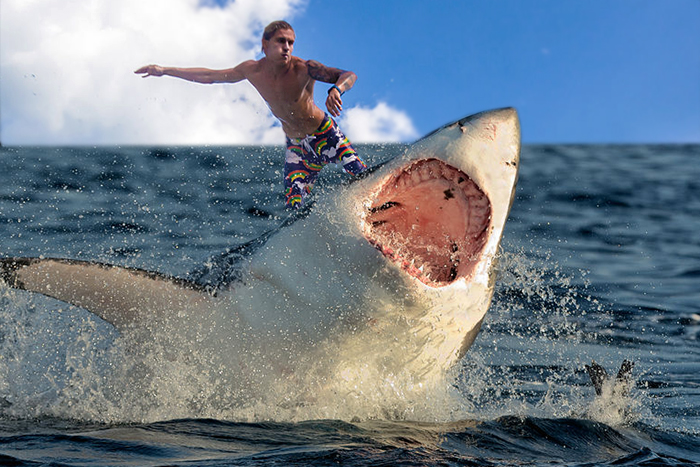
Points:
[(305, 157)]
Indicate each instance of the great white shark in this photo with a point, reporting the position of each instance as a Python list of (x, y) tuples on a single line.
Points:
[(389, 274)]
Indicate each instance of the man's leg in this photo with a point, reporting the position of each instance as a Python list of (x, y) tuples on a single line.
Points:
[(299, 174), (338, 149)]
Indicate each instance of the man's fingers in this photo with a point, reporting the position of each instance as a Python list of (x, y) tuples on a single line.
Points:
[(334, 105), (149, 70)]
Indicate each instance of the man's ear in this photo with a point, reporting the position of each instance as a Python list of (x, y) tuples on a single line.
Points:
[(264, 45)]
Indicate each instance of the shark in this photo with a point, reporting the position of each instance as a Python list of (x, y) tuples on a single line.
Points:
[(390, 273)]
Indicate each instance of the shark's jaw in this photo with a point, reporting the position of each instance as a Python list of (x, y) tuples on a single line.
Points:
[(431, 219)]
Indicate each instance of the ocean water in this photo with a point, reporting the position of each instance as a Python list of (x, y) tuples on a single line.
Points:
[(600, 261)]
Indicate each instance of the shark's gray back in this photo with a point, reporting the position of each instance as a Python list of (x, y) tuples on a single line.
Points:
[(226, 268)]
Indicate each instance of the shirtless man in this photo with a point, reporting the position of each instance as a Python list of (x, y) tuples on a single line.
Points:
[(287, 85)]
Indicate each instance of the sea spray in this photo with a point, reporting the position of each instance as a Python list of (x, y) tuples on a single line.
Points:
[(60, 361), (531, 354)]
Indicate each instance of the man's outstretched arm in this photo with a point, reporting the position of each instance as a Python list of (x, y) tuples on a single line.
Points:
[(197, 75), (342, 79)]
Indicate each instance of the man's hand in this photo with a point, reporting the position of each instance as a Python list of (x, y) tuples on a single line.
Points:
[(340, 78), (150, 70), (334, 103)]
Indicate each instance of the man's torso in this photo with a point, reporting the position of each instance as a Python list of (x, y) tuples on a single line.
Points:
[(289, 94)]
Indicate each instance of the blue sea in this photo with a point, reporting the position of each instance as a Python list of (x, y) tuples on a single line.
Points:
[(600, 262)]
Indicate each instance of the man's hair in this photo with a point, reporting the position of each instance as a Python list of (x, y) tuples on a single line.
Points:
[(273, 27)]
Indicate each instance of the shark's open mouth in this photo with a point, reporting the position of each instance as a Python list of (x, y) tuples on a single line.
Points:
[(431, 219)]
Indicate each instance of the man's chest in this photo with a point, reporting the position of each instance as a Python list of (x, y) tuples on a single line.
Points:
[(285, 89)]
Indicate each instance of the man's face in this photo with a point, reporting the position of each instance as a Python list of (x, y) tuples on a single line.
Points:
[(280, 46)]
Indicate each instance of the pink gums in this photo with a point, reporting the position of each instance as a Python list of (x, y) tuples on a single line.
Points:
[(432, 220)]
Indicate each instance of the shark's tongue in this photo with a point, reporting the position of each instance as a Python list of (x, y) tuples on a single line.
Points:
[(430, 218)]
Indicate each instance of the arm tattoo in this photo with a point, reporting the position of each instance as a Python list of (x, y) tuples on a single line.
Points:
[(323, 73)]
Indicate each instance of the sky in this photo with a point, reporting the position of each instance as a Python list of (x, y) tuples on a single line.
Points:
[(577, 71)]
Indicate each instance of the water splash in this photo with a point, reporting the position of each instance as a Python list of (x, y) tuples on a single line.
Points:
[(61, 361), (530, 356)]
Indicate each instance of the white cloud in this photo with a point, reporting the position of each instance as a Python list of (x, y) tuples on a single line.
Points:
[(379, 124), (66, 73)]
